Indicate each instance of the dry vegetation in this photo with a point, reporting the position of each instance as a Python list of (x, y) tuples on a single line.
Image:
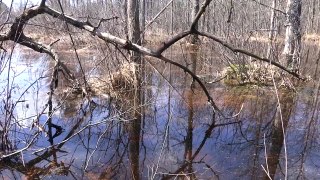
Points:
[(96, 49)]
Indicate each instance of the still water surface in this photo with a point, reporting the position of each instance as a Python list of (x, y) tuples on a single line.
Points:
[(177, 132)]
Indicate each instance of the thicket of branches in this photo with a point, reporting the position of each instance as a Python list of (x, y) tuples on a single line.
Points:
[(103, 26)]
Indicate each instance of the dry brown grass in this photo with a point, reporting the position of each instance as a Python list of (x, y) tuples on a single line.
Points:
[(262, 39), (307, 38), (255, 73), (312, 38), (124, 80), (118, 84)]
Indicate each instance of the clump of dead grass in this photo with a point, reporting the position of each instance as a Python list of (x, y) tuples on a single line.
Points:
[(124, 80), (118, 84), (256, 74), (312, 37)]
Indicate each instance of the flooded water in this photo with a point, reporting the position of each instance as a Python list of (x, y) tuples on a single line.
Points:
[(179, 135)]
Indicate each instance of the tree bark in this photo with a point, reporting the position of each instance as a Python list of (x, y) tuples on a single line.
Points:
[(272, 29), (125, 15), (135, 124), (143, 19), (292, 47), (195, 10)]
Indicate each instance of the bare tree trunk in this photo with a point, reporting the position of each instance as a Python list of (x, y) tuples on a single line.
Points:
[(135, 124), (125, 15), (143, 19), (292, 47), (143, 62), (172, 17), (134, 25), (194, 40), (272, 29), (195, 10)]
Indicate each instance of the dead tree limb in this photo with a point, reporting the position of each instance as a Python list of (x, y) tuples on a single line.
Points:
[(245, 52), (17, 29)]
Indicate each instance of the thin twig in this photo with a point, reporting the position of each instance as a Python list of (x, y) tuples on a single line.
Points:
[(266, 158)]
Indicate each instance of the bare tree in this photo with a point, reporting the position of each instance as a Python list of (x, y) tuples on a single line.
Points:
[(231, 40), (292, 49), (135, 57), (195, 10), (272, 29)]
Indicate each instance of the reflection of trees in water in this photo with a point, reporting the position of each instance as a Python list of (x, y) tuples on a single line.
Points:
[(107, 147), (243, 143), (259, 117), (309, 137), (33, 168), (278, 130), (104, 147), (190, 99), (52, 161), (247, 140), (16, 87), (189, 134)]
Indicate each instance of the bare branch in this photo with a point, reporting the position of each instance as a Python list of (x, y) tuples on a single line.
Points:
[(156, 16), (170, 42), (181, 35), (43, 3), (107, 37), (242, 51), (196, 78), (22, 149), (267, 6), (17, 27), (199, 14)]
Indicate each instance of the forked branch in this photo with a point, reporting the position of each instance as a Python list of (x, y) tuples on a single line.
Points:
[(16, 34)]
